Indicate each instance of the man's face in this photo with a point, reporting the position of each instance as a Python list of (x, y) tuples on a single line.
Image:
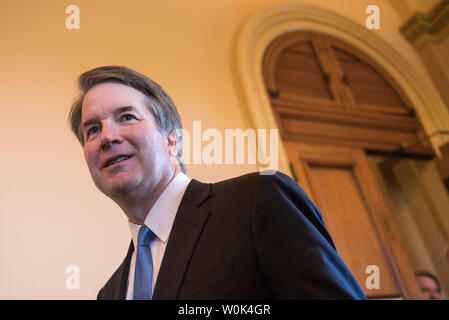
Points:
[(429, 288), (125, 152)]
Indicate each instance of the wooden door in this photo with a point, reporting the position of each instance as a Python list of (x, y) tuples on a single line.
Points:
[(339, 181)]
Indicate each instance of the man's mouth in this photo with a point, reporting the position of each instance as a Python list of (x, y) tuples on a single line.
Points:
[(116, 159)]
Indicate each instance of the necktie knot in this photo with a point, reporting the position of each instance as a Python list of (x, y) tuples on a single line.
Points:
[(145, 236)]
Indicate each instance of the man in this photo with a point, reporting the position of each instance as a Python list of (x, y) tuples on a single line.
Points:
[(429, 284), (251, 237)]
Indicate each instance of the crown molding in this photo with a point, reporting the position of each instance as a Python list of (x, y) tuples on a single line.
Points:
[(423, 28)]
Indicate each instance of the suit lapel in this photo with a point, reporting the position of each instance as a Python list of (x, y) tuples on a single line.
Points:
[(189, 222)]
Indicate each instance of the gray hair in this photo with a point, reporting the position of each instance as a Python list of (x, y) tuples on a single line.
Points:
[(161, 105)]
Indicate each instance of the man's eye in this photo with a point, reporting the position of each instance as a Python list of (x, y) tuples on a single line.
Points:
[(92, 131), (127, 117)]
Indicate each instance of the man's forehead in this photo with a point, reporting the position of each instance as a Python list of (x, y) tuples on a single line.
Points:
[(112, 90), (427, 280), (109, 96)]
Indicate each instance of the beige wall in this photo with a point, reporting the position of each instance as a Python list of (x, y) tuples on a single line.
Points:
[(436, 58), (405, 8), (51, 215)]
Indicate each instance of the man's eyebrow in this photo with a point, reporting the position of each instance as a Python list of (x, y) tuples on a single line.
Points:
[(116, 111)]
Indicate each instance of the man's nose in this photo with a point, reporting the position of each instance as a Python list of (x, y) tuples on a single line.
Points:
[(110, 135)]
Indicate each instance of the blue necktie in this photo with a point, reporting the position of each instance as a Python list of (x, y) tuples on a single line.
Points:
[(143, 276)]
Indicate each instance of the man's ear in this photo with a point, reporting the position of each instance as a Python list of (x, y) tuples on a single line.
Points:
[(172, 144)]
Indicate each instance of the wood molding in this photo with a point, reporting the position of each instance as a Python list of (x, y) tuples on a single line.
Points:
[(351, 128), (433, 26)]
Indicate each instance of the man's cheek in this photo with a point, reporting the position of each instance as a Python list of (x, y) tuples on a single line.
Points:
[(92, 163)]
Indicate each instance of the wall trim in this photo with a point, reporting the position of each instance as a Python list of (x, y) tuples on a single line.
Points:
[(266, 25), (422, 28)]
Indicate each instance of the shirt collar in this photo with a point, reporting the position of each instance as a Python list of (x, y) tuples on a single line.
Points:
[(161, 216)]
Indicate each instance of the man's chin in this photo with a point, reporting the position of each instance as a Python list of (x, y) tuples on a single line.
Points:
[(120, 189)]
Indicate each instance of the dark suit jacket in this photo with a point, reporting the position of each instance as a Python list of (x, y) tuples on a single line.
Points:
[(251, 237)]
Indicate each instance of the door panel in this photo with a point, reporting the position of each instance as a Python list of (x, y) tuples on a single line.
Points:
[(339, 181), (347, 218)]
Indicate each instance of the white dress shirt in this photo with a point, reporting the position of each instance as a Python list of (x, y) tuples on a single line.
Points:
[(160, 221)]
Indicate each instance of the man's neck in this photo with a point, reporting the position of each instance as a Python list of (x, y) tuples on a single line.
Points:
[(136, 206)]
